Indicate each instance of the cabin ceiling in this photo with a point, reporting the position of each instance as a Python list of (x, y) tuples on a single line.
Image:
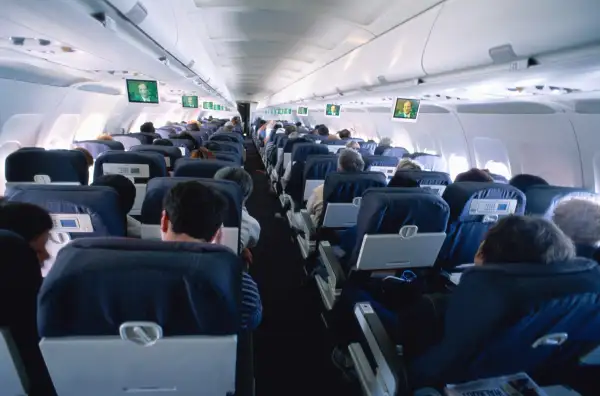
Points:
[(262, 46)]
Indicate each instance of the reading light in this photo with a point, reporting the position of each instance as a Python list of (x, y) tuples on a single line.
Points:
[(17, 40), (44, 42)]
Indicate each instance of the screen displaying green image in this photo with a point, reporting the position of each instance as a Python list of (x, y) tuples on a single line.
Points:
[(142, 91), (332, 110), (302, 110), (190, 101), (406, 109), (207, 105)]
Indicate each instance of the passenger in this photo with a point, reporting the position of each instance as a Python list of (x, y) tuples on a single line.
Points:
[(323, 131), (384, 144), (408, 164), (190, 138), (89, 159), (194, 213), (301, 129), (250, 232), (162, 142), (344, 134), (524, 181), (352, 144), (194, 127), (348, 161), (126, 191), (31, 222), (580, 220), (148, 127), (228, 127), (202, 153), (474, 175), (104, 136), (262, 130)]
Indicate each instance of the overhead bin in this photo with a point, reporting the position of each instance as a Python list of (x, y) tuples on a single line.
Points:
[(467, 30)]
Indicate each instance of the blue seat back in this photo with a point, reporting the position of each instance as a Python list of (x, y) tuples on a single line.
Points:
[(224, 146), (165, 132), (97, 147), (127, 140), (100, 203), (465, 229), (100, 283), (541, 199), (343, 187), (228, 156), (227, 137), (369, 146), (428, 178), (200, 168), (185, 143), (398, 152), (60, 165), (300, 152), (380, 160), (154, 162), (170, 153)]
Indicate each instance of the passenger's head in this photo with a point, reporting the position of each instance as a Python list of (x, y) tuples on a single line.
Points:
[(192, 212), (104, 136), (290, 129), (322, 130), (350, 161), (194, 127), (408, 164), (386, 142), (239, 176), (344, 134), (89, 159), (148, 127), (524, 181), (235, 120), (210, 118), (202, 153), (579, 219), (228, 127), (162, 142), (524, 239), (474, 175), (352, 144), (29, 221), (123, 186), (298, 124), (262, 122)]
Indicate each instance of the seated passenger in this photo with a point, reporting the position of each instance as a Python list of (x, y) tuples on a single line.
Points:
[(187, 136), (408, 164), (148, 127), (384, 144), (194, 127), (126, 191), (344, 134), (352, 144), (89, 159), (194, 213), (323, 131), (31, 222), (348, 161), (202, 153), (104, 136), (524, 181), (250, 232), (580, 220), (474, 175)]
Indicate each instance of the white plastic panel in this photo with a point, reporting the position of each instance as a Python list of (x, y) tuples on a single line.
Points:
[(585, 123), (467, 29)]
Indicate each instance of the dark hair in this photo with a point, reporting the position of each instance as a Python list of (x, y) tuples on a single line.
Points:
[(195, 210), (194, 127), (523, 239), (323, 130), (28, 220), (202, 153), (187, 136), (289, 130), (298, 124), (401, 180), (524, 181), (89, 159), (239, 176), (162, 142), (147, 127), (344, 134), (123, 186), (262, 122), (474, 175)]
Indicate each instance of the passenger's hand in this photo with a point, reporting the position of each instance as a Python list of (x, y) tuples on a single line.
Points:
[(247, 256)]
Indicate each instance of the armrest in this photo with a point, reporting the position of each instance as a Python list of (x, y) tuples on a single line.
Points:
[(336, 273), (391, 369), (310, 230), (244, 371)]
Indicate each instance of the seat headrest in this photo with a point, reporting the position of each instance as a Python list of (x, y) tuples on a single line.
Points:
[(202, 168), (460, 196), (542, 199), (158, 187), (395, 152), (97, 284), (97, 147), (301, 151), (343, 187), (430, 178), (102, 204), (380, 160), (170, 151), (369, 146), (319, 166), (228, 157), (223, 146), (290, 143), (58, 165), (186, 143), (155, 163)]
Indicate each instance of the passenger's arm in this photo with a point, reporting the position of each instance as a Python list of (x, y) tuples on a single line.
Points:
[(251, 303), (253, 230)]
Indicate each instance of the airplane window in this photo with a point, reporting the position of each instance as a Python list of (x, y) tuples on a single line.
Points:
[(457, 164), (61, 133), (498, 168), (5, 150), (91, 127)]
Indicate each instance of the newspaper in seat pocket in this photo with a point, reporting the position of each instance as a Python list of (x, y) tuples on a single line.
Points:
[(511, 385)]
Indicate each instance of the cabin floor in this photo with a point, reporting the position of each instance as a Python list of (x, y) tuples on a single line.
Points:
[(292, 348)]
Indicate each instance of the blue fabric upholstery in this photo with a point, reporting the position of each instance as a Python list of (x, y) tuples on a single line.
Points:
[(541, 200), (227, 137), (224, 146), (228, 156), (317, 167), (395, 152), (186, 143), (295, 185), (301, 151), (100, 203), (97, 147), (59, 165), (172, 152), (429, 178), (466, 232), (155, 162), (380, 160), (98, 284), (145, 137), (158, 188), (369, 146), (199, 168)]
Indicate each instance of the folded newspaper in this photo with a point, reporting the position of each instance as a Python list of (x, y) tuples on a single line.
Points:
[(511, 385)]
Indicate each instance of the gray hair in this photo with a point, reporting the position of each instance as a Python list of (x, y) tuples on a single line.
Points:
[(385, 141), (228, 123), (239, 176), (408, 164), (228, 128), (579, 219), (353, 144), (350, 161), (293, 135)]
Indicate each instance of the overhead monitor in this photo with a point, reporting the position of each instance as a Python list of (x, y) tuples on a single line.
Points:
[(190, 101), (332, 110), (207, 105), (302, 111), (142, 91), (406, 110)]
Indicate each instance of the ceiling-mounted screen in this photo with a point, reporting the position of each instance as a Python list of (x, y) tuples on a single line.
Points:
[(189, 101), (207, 105), (332, 110), (406, 110), (302, 111), (142, 91)]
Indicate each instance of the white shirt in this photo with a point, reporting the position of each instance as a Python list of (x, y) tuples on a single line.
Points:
[(250, 232), (134, 228)]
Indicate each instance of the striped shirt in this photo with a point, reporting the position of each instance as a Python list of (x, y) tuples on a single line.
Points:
[(251, 304)]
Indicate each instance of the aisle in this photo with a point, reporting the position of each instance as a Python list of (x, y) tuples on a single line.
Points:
[(292, 352)]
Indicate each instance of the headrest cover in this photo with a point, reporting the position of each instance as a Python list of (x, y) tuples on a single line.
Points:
[(343, 187), (98, 284), (154, 162), (319, 166), (425, 177), (60, 165), (169, 151), (380, 160)]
